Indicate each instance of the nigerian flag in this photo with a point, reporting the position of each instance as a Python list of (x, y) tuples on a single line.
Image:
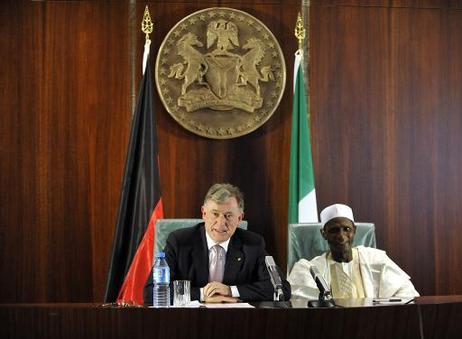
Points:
[(302, 195)]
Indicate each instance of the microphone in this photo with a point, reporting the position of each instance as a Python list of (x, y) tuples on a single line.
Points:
[(325, 296), (319, 280), (275, 277)]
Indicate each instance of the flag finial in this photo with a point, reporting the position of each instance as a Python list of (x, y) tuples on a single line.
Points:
[(146, 27), (146, 24), (299, 31)]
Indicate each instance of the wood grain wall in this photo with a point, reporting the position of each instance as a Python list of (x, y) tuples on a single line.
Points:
[(386, 115)]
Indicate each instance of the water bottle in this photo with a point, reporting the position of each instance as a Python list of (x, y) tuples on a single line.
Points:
[(161, 282)]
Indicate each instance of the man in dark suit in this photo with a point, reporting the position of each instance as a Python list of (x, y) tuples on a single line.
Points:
[(223, 262)]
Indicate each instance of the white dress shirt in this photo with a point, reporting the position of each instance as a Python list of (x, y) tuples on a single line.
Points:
[(224, 245)]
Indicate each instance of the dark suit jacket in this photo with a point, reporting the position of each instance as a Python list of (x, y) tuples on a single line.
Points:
[(187, 255)]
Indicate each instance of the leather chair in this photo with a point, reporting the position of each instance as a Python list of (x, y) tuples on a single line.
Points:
[(165, 226), (305, 240)]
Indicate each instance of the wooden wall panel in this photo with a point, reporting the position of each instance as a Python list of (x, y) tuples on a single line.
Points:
[(65, 120), (418, 4), (257, 162), (386, 95), (386, 92)]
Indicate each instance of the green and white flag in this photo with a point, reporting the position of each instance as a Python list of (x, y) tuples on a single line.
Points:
[(302, 195)]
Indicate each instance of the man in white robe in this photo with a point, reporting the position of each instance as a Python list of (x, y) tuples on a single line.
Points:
[(359, 272)]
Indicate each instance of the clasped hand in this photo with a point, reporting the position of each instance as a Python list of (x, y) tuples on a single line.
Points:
[(216, 292)]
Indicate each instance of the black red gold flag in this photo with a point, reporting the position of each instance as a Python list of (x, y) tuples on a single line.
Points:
[(140, 204)]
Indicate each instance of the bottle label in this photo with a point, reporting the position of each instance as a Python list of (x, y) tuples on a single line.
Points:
[(162, 275)]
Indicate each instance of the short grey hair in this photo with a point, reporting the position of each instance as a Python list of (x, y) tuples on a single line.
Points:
[(220, 192)]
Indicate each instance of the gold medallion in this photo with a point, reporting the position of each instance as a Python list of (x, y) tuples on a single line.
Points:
[(220, 73)]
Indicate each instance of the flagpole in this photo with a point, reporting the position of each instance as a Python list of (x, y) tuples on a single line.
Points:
[(302, 193), (140, 204)]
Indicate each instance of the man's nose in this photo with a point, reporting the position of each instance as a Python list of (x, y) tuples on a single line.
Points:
[(222, 219), (342, 235)]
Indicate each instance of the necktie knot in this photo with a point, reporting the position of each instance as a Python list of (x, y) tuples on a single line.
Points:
[(218, 250)]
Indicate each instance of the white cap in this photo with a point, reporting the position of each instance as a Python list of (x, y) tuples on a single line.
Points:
[(336, 211)]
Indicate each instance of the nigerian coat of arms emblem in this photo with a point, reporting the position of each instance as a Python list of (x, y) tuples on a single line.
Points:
[(220, 73)]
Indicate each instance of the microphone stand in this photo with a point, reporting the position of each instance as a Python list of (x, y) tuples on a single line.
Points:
[(325, 296), (278, 294), (276, 281), (324, 300)]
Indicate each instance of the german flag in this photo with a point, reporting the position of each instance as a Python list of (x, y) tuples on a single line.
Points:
[(140, 204)]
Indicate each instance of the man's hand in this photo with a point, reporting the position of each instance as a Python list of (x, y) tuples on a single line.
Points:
[(216, 288), (221, 299)]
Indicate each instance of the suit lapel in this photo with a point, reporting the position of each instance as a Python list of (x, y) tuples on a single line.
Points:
[(234, 259), (200, 258)]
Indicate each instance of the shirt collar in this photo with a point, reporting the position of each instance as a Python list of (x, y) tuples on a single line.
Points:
[(355, 259), (211, 242)]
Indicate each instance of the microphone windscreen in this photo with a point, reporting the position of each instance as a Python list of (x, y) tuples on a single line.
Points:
[(269, 261), (314, 272)]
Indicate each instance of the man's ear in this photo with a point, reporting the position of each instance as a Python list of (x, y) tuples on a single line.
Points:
[(241, 217), (354, 230), (203, 212), (323, 233)]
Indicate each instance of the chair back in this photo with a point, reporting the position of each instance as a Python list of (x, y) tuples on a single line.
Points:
[(165, 226), (305, 240)]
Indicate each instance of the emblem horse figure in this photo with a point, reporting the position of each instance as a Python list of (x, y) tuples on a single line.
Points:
[(249, 72), (196, 66)]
